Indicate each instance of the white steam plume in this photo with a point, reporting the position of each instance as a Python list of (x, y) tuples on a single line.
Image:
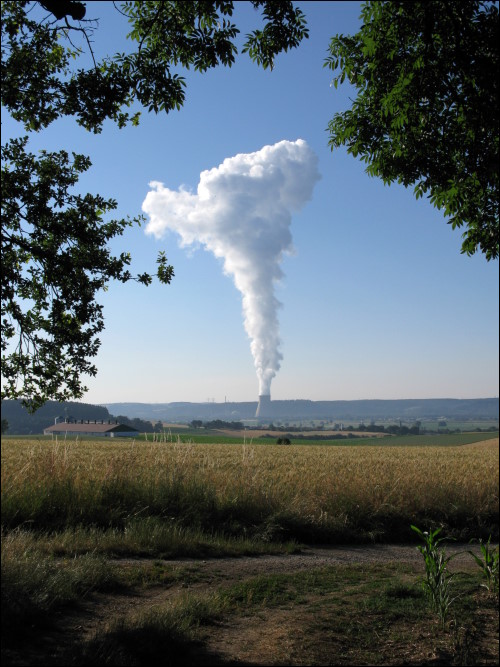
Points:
[(242, 213)]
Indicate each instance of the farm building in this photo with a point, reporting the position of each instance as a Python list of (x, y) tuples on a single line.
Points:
[(102, 429)]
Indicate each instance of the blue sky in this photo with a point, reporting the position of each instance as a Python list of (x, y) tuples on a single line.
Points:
[(377, 301)]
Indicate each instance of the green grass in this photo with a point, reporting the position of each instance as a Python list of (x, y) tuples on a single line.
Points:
[(35, 585), (467, 425), (146, 538)]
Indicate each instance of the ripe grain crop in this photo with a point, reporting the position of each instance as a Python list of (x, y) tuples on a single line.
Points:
[(273, 493)]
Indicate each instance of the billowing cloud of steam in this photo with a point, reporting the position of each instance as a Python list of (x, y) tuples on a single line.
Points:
[(242, 213)]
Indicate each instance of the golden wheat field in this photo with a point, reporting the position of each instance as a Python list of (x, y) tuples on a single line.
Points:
[(313, 483)]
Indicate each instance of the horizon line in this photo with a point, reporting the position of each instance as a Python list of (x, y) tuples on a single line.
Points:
[(321, 400)]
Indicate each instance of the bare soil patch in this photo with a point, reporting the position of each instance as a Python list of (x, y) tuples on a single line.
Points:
[(313, 557)]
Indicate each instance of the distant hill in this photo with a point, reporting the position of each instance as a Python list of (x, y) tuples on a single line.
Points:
[(138, 414), (406, 409)]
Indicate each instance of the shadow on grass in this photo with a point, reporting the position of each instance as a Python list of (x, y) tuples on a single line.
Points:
[(126, 648), (144, 646)]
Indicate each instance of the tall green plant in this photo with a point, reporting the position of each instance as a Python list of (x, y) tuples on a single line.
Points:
[(437, 583), (488, 564)]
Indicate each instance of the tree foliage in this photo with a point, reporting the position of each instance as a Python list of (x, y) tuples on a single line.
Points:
[(426, 111), (56, 258), (39, 85)]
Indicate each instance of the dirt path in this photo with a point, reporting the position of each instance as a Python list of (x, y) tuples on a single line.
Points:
[(198, 576), (312, 557), (273, 636)]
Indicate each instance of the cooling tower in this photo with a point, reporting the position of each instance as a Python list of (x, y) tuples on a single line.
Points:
[(264, 406)]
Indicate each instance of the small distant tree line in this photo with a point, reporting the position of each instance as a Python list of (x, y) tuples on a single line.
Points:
[(217, 424), (393, 429), (141, 425), (285, 440)]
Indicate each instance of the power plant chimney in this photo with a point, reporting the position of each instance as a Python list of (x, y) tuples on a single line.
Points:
[(264, 406)]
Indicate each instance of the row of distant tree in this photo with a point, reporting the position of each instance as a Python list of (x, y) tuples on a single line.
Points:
[(393, 429), (141, 425), (415, 429), (285, 440), (217, 424)]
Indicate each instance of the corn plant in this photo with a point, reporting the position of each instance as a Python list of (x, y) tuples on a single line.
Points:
[(488, 564), (437, 583)]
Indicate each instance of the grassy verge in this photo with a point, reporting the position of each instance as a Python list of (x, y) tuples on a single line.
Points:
[(42, 573), (343, 615), (35, 586), (146, 538)]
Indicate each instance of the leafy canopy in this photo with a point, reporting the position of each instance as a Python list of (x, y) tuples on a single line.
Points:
[(55, 254), (38, 84), (426, 111)]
